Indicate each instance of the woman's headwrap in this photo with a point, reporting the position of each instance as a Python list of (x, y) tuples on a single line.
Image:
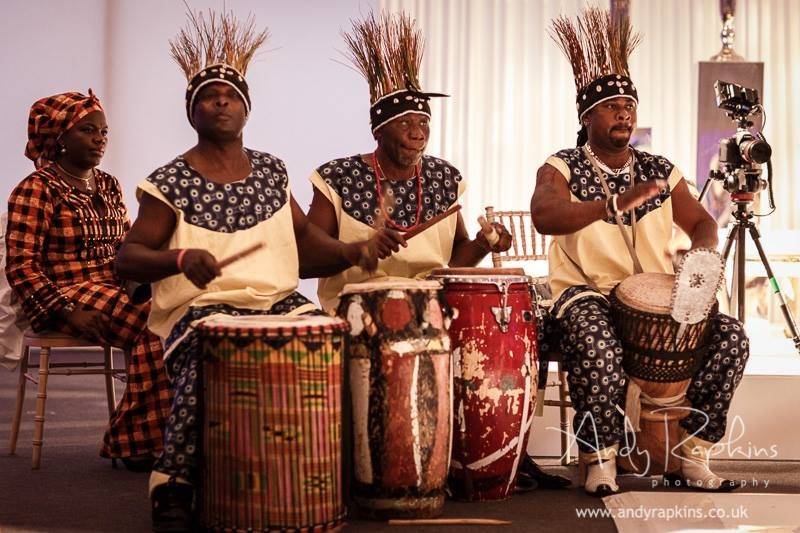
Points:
[(217, 48), (598, 46), (52, 117), (387, 51)]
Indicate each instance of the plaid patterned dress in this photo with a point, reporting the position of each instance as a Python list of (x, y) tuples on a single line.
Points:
[(61, 247)]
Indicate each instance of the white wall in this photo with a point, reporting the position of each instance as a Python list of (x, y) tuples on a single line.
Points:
[(307, 108), (45, 49)]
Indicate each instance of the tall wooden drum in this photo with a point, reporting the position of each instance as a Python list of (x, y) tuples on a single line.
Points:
[(272, 425), (399, 373), (661, 359)]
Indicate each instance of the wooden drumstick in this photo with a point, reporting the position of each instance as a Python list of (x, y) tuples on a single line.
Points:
[(239, 255), (492, 237), (449, 522), (435, 220)]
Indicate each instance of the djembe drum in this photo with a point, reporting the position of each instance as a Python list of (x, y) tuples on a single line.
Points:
[(272, 423), (494, 363), (399, 388), (660, 359)]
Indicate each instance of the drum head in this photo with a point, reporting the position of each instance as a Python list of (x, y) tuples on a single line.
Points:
[(476, 271), (391, 284), (269, 325), (650, 292), (480, 275)]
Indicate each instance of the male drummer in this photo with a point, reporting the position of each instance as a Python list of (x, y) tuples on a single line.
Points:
[(206, 205), (589, 257), (398, 187)]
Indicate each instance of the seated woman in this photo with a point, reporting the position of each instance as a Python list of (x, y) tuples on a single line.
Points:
[(65, 223)]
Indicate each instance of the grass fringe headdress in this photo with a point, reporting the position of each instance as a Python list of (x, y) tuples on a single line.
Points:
[(216, 47), (387, 50), (598, 46)]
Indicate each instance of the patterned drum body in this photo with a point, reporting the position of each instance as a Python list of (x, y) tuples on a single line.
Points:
[(272, 427), (660, 360), (400, 396), (494, 368)]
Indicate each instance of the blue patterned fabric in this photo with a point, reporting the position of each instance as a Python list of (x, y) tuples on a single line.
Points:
[(586, 187), (354, 181), (225, 207)]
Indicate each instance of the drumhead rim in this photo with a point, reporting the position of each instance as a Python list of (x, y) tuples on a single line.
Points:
[(378, 286), (482, 279), (291, 325)]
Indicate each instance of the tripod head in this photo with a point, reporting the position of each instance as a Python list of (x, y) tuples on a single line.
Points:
[(742, 154)]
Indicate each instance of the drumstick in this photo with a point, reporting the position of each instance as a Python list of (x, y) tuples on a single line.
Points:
[(435, 220), (239, 255), (449, 522), (488, 231)]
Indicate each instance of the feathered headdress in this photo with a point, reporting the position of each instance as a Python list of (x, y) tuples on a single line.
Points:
[(598, 46), (387, 50), (216, 48)]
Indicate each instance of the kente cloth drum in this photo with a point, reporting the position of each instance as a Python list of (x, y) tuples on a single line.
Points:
[(660, 359), (272, 394), (400, 396), (493, 334)]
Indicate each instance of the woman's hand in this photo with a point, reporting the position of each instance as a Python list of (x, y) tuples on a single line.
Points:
[(88, 323)]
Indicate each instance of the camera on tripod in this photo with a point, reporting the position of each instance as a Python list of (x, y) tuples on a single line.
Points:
[(741, 155)]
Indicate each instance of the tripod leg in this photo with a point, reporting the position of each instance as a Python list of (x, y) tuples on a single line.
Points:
[(729, 240), (739, 264), (726, 252), (787, 315)]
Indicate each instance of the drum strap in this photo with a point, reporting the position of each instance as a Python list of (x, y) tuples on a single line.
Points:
[(637, 266), (635, 398)]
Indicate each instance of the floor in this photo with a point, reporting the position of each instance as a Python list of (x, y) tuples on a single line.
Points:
[(76, 490)]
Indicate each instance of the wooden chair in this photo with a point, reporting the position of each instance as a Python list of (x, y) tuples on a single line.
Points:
[(46, 342), (528, 245)]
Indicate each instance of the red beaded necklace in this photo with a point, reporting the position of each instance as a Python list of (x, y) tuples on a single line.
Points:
[(387, 219)]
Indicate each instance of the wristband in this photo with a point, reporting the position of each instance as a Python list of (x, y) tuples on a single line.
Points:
[(179, 259), (610, 207), (614, 198)]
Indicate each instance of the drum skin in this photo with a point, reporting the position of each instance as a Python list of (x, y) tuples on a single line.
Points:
[(399, 398), (272, 424), (494, 382)]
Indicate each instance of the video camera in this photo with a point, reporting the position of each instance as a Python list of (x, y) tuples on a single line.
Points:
[(741, 155)]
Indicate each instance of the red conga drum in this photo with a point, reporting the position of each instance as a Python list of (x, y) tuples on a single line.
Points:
[(272, 388), (493, 335), (399, 388)]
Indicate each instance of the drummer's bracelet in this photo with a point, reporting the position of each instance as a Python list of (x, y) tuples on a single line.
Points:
[(611, 205)]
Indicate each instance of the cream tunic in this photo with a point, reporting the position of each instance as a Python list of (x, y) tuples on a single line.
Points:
[(597, 255), (225, 219), (349, 184)]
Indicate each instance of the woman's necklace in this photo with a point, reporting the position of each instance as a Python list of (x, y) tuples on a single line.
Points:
[(382, 207), (603, 166), (87, 182)]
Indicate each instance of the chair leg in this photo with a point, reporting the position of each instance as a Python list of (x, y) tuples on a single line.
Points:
[(562, 411), (21, 385), (41, 398), (111, 395)]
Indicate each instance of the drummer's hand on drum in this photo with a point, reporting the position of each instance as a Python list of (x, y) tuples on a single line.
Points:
[(639, 194), (497, 239), (200, 267)]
